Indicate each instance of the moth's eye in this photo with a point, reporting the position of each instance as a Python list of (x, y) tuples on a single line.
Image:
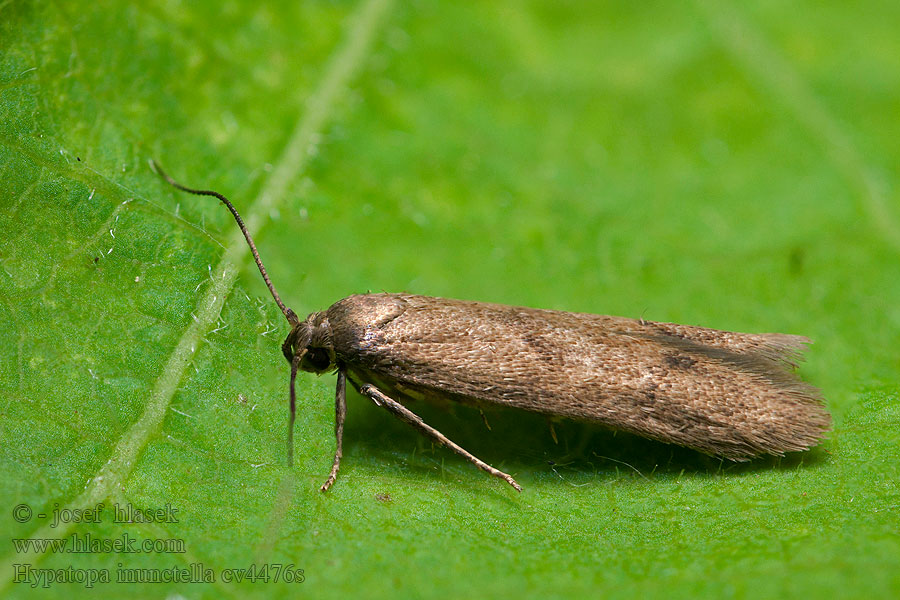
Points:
[(317, 358)]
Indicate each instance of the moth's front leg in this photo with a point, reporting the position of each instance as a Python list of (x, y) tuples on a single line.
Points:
[(340, 414), (380, 399)]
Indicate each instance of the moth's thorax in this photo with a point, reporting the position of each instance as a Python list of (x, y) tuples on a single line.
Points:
[(314, 336)]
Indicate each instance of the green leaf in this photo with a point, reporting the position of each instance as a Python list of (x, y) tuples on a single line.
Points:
[(717, 164)]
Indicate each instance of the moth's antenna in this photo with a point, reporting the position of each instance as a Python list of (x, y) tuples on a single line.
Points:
[(290, 315), (295, 364)]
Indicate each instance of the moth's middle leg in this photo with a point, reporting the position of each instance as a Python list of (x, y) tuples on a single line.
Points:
[(381, 399), (340, 414)]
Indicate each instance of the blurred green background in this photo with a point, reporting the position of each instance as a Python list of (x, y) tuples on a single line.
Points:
[(731, 165)]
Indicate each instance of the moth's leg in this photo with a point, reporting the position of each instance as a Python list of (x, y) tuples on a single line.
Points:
[(484, 419), (340, 413), (553, 431), (380, 399)]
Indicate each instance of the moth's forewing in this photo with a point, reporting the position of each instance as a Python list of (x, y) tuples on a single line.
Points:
[(725, 393)]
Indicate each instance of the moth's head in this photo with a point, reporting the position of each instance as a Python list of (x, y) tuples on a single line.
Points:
[(314, 337)]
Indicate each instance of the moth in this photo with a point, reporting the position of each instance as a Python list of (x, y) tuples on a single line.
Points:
[(733, 395)]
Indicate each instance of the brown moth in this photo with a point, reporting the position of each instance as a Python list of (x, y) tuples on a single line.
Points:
[(727, 394)]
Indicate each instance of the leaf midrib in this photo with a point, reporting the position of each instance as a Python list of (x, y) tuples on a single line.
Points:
[(340, 69)]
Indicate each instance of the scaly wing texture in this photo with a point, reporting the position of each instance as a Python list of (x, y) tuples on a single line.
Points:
[(725, 393)]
